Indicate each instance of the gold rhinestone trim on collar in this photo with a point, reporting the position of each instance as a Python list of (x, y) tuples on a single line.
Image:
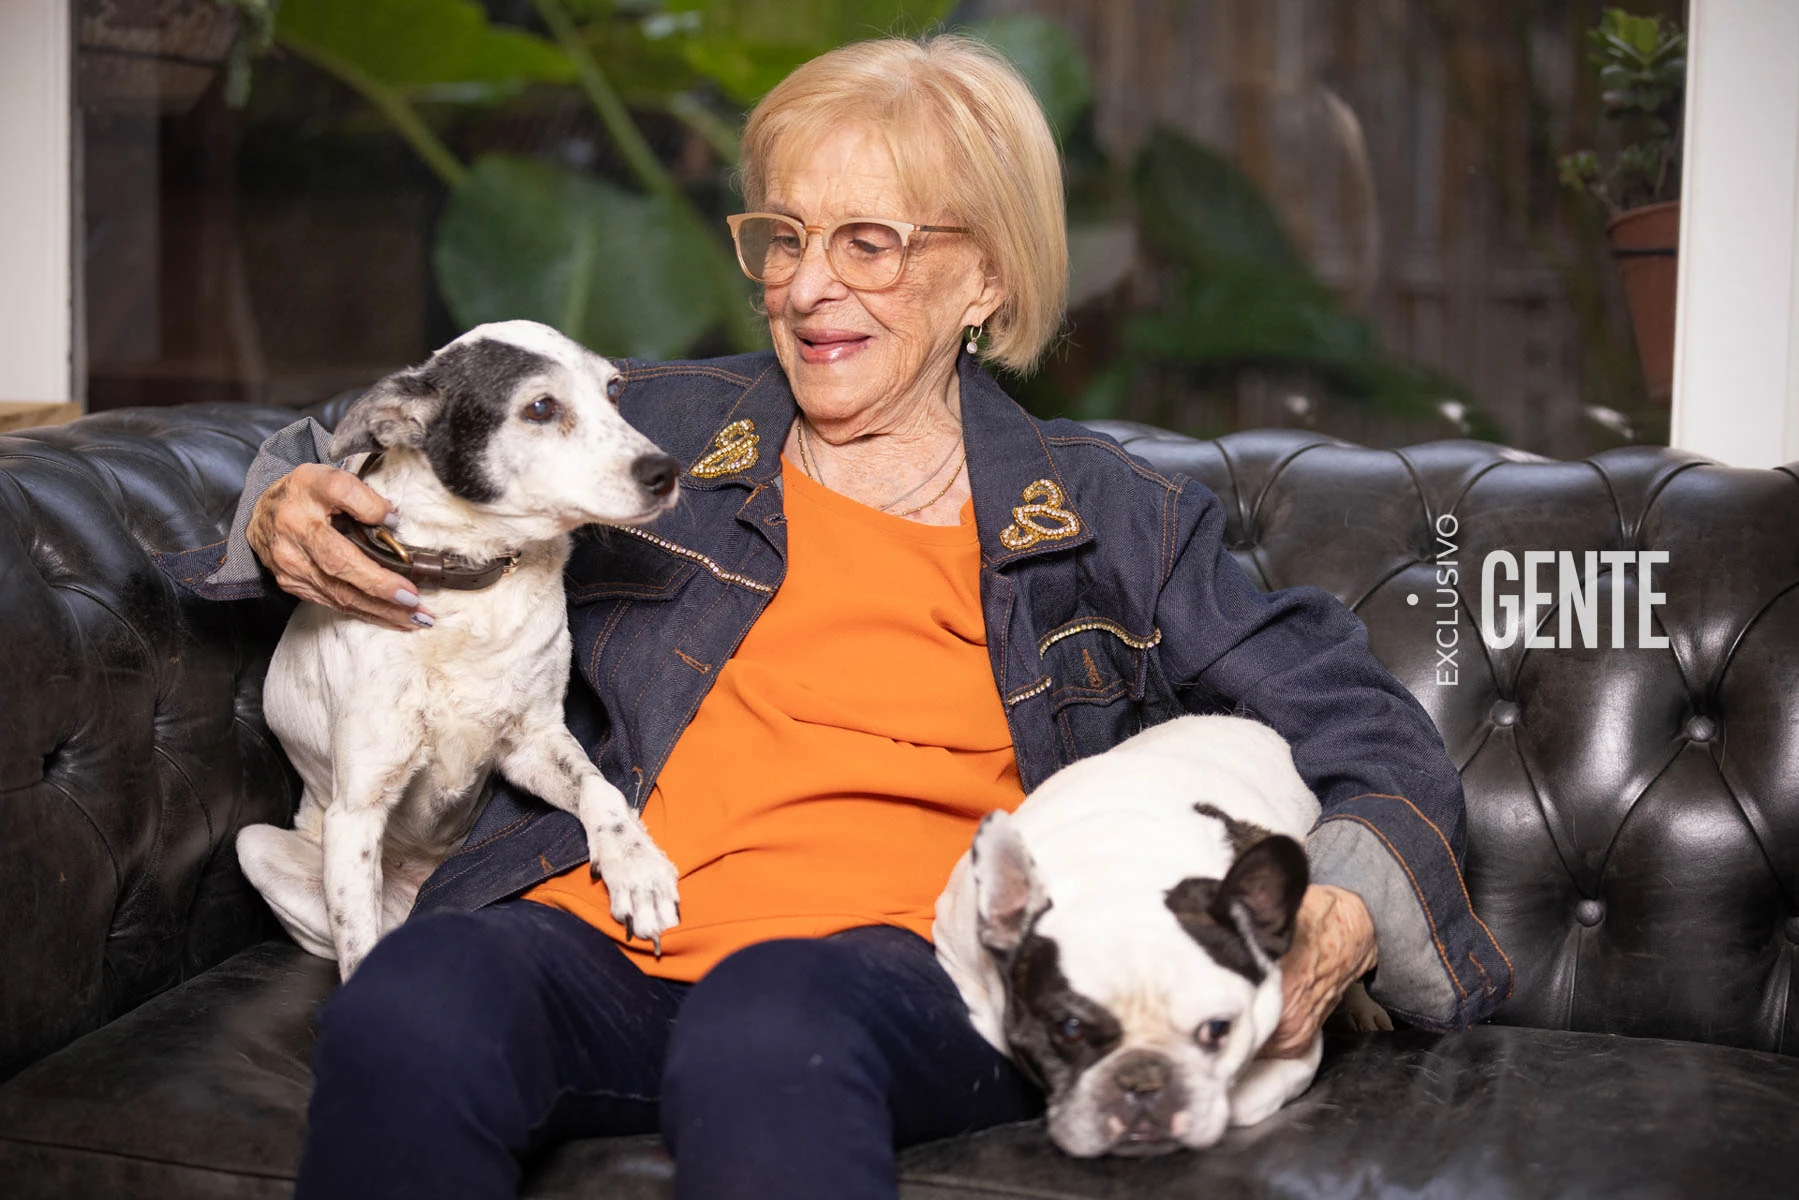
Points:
[(1042, 501), (1112, 627), (695, 556), (733, 450)]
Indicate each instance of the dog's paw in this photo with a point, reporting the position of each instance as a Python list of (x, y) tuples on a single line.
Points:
[(1268, 1083), (1256, 1107), (1358, 1013), (639, 877)]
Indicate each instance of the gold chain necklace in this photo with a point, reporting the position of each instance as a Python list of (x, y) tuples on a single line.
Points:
[(941, 494), (811, 468), (806, 456)]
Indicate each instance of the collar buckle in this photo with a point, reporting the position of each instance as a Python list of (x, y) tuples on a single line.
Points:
[(394, 545)]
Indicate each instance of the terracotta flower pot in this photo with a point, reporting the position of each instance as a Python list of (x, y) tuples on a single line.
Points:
[(1646, 241)]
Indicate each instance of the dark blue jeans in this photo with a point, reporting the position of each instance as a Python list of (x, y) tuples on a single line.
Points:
[(469, 1041)]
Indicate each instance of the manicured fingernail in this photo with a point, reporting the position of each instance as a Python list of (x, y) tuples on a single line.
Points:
[(407, 597), (392, 519), (422, 620)]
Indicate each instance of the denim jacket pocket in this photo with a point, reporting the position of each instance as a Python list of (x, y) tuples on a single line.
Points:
[(1098, 675), (618, 564)]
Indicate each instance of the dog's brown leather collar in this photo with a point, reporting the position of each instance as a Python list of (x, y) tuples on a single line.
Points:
[(427, 568)]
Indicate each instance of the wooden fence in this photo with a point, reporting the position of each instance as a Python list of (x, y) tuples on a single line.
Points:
[(1409, 146)]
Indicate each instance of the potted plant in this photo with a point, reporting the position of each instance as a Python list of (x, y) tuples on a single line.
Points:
[(1642, 63)]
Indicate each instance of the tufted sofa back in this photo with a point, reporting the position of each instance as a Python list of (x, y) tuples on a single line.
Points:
[(1633, 813), (132, 746)]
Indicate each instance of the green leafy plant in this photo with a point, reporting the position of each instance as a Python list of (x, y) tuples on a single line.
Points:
[(635, 269), (1237, 294), (638, 263), (1642, 64), (1233, 293)]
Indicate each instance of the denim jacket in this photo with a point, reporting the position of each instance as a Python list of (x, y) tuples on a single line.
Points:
[(1110, 603)]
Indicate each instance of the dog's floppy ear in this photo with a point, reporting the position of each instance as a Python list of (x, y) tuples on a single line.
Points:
[(1008, 894), (1266, 885), (395, 412)]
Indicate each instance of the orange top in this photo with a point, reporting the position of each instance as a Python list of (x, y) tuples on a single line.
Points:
[(840, 763)]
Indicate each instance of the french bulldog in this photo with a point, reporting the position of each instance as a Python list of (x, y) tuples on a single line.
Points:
[(1119, 935)]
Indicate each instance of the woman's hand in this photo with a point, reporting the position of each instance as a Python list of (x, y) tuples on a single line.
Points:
[(290, 530), (1333, 946)]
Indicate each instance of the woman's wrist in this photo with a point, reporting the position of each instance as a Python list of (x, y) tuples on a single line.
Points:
[(1333, 946)]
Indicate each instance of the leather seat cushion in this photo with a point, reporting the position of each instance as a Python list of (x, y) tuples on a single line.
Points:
[(202, 1093)]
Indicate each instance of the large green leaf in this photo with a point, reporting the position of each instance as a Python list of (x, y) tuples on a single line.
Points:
[(618, 272), (1197, 208), (748, 46), (1049, 61), (1232, 318), (418, 44), (1235, 317), (1241, 294), (642, 57)]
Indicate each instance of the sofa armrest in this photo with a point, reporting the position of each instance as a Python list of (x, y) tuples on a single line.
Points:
[(134, 745)]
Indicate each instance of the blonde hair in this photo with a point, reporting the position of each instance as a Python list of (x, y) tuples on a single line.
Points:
[(971, 146)]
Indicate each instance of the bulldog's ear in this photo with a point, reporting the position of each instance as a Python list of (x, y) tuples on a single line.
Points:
[(1008, 895), (395, 412), (1266, 884)]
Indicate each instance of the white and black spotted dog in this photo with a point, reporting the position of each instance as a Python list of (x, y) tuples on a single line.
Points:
[(493, 451), (1119, 935)]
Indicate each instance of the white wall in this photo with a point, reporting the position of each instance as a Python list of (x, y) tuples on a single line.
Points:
[(1736, 358), (36, 313)]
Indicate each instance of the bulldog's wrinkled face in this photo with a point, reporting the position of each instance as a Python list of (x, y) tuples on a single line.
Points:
[(1138, 1014), (522, 422)]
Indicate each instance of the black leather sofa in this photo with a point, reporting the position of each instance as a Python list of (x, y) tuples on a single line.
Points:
[(1634, 839)]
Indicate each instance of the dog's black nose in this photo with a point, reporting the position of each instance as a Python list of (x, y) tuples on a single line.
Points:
[(1142, 1074), (656, 472)]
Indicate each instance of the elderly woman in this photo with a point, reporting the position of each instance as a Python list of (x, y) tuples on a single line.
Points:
[(890, 602)]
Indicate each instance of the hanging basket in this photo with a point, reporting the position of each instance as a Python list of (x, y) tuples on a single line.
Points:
[(1645, 242), (152, 57)]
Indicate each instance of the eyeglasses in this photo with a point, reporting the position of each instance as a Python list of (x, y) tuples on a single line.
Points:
[(865, 253)]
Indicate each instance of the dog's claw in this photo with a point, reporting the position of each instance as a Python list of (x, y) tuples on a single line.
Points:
[(641, 881)]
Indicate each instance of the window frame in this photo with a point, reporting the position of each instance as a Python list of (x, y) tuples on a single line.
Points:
[(1736, 357), (39, 315)]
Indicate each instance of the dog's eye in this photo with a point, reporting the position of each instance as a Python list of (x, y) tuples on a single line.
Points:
[(1213, 1033), (542, 410), (1071, 1030), (614, 386)]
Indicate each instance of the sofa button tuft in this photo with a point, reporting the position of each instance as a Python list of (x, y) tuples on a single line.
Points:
[(1504, 712), (1589, 912), (1701, 729)]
